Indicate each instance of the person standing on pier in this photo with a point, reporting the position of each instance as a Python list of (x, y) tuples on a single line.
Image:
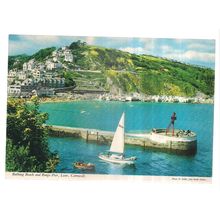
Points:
[(173, 119)]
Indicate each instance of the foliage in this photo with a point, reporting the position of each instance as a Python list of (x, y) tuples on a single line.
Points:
[(17, 62), (43, 53), (69, 79), (27, 146), (77, 49), (127, 81), (141, 73), (19, 159), (77, 45)]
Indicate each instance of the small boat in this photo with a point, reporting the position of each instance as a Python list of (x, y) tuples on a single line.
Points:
[(84, 166), (116, 152)]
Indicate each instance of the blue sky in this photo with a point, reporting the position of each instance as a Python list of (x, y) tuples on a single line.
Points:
[(194, 51)]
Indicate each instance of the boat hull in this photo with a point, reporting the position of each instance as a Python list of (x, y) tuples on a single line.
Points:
[(112, 159), (84, 166)]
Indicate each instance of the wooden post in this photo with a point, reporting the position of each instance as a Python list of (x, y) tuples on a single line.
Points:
[(170, 144), (97, 137), (87, 136)]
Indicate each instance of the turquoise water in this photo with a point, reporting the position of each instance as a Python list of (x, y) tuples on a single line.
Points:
[(139, 117)]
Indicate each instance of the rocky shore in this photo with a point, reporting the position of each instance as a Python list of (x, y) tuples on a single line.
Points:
[(69, 97), (159, 98)]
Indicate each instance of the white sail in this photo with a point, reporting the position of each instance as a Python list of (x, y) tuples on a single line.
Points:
[(117, 145)]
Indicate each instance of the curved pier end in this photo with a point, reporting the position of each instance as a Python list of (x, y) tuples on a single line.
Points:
[(183, 142)]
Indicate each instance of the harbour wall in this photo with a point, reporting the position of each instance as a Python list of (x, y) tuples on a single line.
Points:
[(143, 140)]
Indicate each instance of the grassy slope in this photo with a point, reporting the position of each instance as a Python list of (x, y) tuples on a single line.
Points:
[(135, 73)]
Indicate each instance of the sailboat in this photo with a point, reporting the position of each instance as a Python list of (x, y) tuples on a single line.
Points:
[(116, 152)]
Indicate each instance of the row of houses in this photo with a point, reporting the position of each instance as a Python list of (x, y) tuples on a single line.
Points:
[(60, 82), (34, 74), (39, 77), (29, 84), (29, 90), (22, 83), (48, 65)]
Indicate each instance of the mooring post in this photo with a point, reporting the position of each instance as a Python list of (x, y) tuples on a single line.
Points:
[(87, 136), (170, 144), (97, 137)]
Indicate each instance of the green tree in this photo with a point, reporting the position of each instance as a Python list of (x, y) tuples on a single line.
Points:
[(77, 45), (19, 159), (27, 147), (43, 53), (69, 81)]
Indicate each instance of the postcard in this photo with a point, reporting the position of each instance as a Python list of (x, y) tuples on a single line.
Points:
[(110, 108)]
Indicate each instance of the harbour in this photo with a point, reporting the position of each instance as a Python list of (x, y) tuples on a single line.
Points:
[(103, 116), (105, 107)]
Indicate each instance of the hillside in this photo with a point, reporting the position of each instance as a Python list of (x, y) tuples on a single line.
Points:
[(116, 71)]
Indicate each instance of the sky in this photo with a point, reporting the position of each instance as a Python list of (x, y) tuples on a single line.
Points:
[(192, 51)]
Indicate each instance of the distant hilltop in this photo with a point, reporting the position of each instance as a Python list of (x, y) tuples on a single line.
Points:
[(121, 73)]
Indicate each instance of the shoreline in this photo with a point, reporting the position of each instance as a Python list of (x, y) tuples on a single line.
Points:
[(124, 98)]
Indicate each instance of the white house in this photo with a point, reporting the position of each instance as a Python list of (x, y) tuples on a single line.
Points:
[(12, 73), (38, 74), (54, 53), (25, 67), (68, 57), (45, 92), (10, 81), (55, 59), (30, 65), (27, 82), (14, 90), (41, 66), (11, 76), (62, 81), (57, 65), (48, 75), (53, 65), (21, 75), (64, 48), (50, 65)]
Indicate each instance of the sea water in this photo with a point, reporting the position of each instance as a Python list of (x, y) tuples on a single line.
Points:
[(140, 117)]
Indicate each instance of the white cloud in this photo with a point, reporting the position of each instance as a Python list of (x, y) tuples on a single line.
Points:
[(30, 44), (179, 41), (166, 49), (193, 56), (201, 46), (114, 42), (200, 56), (192, 51), (15, 47), (137, 50), (90, 40), (40, 39), (149, 44)]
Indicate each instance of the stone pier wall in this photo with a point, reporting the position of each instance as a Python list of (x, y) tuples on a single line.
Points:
[(105, 137)]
